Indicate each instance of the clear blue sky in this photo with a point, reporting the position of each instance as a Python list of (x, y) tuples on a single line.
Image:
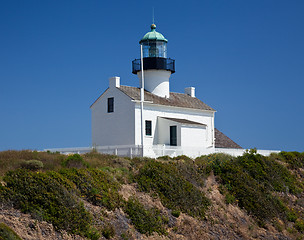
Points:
[(245, 58)]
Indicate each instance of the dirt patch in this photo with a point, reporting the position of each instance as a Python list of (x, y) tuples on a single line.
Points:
[(128, 190)]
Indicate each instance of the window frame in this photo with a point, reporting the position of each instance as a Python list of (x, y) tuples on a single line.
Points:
[(148, 128)]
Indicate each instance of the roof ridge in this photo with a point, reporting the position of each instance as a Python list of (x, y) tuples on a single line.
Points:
[(177, 100)]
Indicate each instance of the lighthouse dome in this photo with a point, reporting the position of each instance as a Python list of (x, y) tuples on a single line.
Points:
[(153, 36)]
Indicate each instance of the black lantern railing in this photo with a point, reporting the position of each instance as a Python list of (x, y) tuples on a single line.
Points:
[(154, 63)]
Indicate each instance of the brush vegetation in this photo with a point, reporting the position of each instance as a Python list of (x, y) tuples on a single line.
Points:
[(6, 233), (54, 188)]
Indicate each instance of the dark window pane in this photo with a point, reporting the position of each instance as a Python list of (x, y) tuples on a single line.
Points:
[(173, 136), (154, 49), (148, 128), (111, 104)]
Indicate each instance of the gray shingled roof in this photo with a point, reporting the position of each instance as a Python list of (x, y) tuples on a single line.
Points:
[(184, 121), (222, 141), (175, 99)]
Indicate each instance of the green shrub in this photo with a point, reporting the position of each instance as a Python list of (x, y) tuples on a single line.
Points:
[(46, 199), (268, 172), (251, 178), (108, 231), (176, 213), (6, 233), (229, 198), (295, 160), (291, 216), (74, 161), (299, 225), (126, 235), (146, 221), (191, 171), (63, 181), (122, 175), (182, 157), (166, 157), (173, 189), (207, 163), (278, 226), (32, 165), (97, 186)]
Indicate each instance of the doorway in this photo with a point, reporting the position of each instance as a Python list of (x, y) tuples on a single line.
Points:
[(173, 136)]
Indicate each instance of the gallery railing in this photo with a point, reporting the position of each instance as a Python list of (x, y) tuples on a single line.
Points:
[(154, 63)]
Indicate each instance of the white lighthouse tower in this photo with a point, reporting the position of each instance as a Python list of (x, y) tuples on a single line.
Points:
[(157, 67)]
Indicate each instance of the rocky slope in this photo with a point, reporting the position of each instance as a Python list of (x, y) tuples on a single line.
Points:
[(225, 214)]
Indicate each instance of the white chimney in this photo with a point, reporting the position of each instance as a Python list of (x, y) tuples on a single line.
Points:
[(190, 91), (114, 82)]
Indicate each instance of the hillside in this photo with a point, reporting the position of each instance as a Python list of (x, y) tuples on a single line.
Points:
[(47, 195)]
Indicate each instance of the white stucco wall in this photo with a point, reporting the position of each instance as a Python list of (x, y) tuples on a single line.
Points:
[(193, 136), (116, 128), (152, 112)]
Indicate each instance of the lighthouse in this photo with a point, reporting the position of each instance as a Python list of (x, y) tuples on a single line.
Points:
[(156, 66), (129, 121)]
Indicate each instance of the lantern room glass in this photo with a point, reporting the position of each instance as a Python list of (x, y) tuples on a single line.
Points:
[(154, 49)]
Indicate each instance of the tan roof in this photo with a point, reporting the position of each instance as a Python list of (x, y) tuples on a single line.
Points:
[(184, 121), (222, 141), (175, 99)]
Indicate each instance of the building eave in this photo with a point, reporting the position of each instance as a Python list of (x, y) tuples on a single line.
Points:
[(184, 122), (99, 97)]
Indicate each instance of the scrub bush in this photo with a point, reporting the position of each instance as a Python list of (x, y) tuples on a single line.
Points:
[(108, 231), (251, 179), (173, 189), (294, 159), (268, 172), (182, 157), (291, 216), (32, 165), (75, 161), (229, 198), (45, 198), (146, 221), (97, 186), (299, 225), (166, 157), (212, 162), (175, 213), (6, 233), (191, 171), (99, 160)]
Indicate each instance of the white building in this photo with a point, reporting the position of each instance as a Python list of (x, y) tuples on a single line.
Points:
[(165, 123)]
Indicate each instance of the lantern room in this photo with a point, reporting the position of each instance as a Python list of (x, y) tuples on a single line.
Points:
[(154, 53), (154, 44)]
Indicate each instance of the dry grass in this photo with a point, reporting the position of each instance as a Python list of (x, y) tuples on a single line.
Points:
[(11, 159), (98, 160)]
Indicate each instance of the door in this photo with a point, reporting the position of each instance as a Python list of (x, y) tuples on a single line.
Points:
[(173, 136)]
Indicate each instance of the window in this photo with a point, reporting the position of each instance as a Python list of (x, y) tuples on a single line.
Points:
[(110, 104), (148, 128), (173, 136)]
